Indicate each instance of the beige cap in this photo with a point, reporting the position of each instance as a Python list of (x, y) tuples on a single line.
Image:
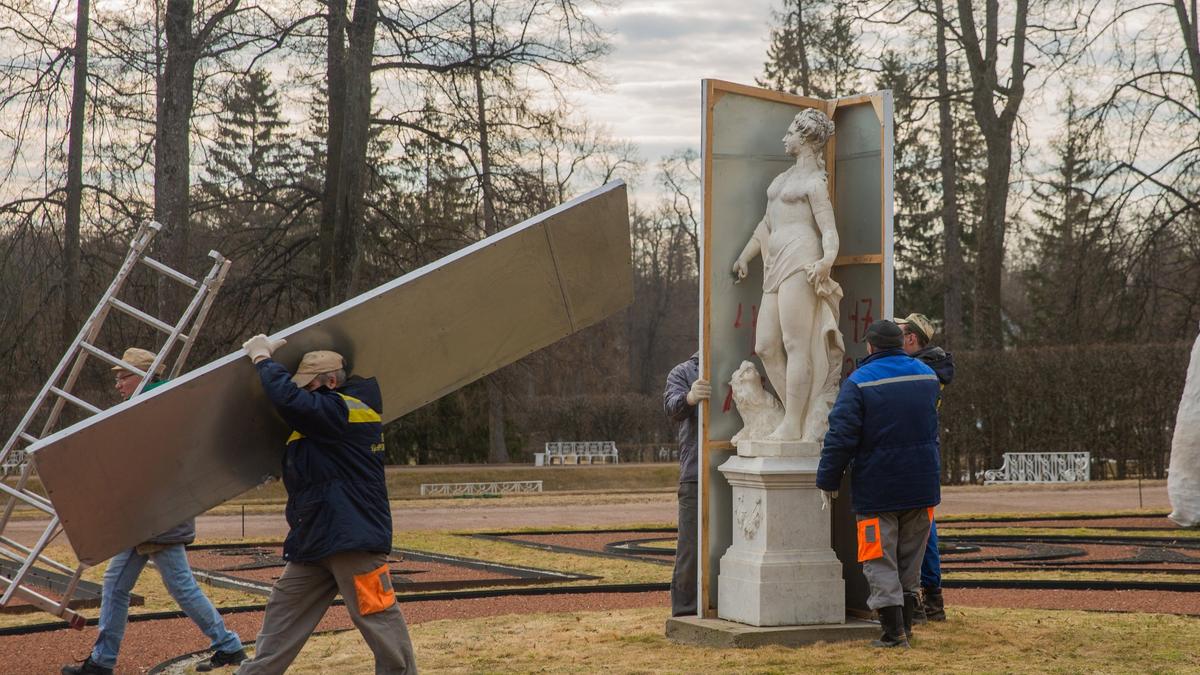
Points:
[(315, 363), (921, 323), (139, 358)]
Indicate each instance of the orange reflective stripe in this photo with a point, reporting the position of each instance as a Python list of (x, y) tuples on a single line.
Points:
[(870, 544), (374, 591), (930, 512)]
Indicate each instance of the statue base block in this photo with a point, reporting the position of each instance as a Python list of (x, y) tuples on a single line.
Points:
[(757, 448), (693, 630)]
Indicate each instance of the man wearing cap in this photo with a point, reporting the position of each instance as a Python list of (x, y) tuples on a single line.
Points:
[(339, 519), (170, 559), (918, 333), (681, 399), (884, 427)]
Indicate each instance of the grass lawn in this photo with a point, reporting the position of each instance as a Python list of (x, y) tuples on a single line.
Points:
[(632, 641)]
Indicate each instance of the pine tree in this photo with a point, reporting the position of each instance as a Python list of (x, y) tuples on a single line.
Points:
[(252, 153), (814, 50)]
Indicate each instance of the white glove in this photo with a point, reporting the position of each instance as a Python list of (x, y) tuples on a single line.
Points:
[(827, 498), (261, 347), (700, 391)]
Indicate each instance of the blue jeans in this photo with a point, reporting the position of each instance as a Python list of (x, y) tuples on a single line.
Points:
[(931, 566), (122, 573)]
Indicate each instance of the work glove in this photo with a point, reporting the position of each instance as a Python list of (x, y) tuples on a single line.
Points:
[(700, 391), (261, 347), (827, 498)]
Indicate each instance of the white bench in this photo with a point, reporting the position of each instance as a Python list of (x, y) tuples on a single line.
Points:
[(1041, 467), (578, 452), (490, 488)]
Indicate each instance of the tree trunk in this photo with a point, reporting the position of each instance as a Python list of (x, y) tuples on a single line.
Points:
[(1191, 40), (171, 147), (996, 129), (497, 448), (352, 178), (802, 50), (952, 260), (70, 318), (335, 83)]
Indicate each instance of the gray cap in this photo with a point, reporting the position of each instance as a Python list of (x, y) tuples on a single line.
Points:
[(884, 334)]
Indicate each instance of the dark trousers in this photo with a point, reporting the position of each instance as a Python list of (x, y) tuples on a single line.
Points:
[(683, 580), (931, 566)]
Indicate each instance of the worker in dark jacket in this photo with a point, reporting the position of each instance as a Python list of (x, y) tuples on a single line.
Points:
[(339, 519), (918, 333), (884, 428), (167, 552), (681, 399)]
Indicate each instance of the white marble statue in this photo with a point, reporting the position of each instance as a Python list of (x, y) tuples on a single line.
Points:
[(1183, 479), (797, 333)]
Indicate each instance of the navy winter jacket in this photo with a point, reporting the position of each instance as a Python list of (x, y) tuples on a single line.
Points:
[(332, 466), (884, 427), (683, 416)]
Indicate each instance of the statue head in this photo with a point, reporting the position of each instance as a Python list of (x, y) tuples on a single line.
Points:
[(811, 128)]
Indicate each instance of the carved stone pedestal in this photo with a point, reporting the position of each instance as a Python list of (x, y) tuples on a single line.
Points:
[(780, 570)]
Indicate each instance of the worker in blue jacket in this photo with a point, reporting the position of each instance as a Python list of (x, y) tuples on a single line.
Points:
[(918, 332), (339, 519), (884, 428)]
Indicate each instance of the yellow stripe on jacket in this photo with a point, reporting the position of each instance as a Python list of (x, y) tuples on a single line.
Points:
[(357, 413)]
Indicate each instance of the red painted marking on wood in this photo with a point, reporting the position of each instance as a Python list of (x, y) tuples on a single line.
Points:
[(728, 401), (737, 323)]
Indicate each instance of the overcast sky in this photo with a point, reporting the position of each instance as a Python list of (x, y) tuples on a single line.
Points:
[(661, 51)]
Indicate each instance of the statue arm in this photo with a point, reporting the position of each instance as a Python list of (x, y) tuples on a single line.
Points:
[(822, 210), (751, 251)]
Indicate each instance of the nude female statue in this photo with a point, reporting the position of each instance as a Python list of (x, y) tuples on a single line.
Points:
[(797, 336)]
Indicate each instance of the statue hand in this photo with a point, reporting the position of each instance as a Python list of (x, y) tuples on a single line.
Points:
[(818, 271), (740, 270)]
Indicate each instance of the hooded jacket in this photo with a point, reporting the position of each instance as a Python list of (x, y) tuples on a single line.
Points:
[(884, 428), (940, 360), (683, 415), (332, 466)]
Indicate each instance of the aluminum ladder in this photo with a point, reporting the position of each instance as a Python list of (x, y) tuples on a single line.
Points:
[(57, 392)]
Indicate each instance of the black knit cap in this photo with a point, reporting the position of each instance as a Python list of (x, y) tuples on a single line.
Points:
[(884, 334)]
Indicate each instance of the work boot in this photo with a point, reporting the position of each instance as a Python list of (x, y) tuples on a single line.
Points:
[(911, 603), (891, 620), (88, 667), (221, 659), (918, 613), (935, 607)]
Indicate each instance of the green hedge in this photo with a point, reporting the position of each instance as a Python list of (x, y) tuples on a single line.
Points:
[(1117, 402)]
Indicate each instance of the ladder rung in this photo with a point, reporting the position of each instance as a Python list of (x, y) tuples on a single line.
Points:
[(105, 356), (141, 316), (76, 400), (177, 276), (29, 498), (28, 438)]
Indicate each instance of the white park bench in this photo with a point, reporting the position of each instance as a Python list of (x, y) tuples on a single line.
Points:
[(1041, 467), (577, 452), (504, 487)]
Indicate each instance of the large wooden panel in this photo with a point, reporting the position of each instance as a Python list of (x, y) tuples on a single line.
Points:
[(742, 153), (140, 468)]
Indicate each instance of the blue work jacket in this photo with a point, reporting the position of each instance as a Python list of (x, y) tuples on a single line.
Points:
[(332, 466), (884, 428)]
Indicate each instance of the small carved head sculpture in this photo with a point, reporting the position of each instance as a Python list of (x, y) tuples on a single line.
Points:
[(810, 127), (761, 412)]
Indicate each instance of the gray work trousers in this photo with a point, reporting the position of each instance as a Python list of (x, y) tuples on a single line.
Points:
[(902, 535), (683, 579), (303, 593)]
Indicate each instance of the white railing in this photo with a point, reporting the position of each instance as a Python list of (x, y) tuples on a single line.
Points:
[(1041, 467), (505, 487), (578, 452)]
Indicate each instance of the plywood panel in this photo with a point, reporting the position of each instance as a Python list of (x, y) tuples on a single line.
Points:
[(139, 468)]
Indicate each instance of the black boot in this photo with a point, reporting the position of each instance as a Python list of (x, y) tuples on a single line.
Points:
[(911, 604), (221, 659), (88, 667), (935, 607), (891, 620), (918, 613)]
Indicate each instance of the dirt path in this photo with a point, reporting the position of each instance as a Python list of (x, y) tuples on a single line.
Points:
[(556, 510)]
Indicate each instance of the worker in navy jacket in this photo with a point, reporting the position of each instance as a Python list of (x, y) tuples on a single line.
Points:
[(339, 519), (884, 429)]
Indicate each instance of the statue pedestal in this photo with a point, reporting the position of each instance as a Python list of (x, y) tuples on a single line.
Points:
[(780, 570)]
